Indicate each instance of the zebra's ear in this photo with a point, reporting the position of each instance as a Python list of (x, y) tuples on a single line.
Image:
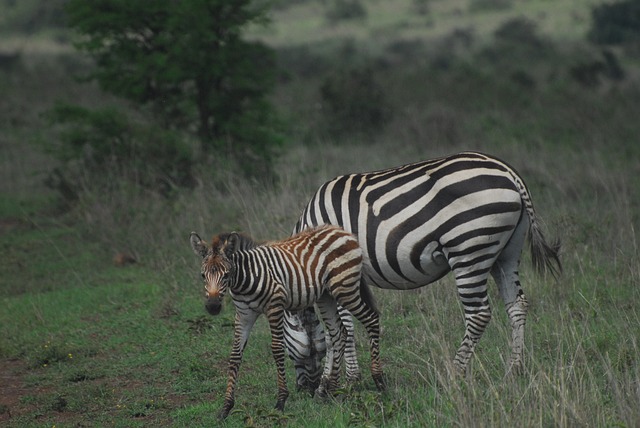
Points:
[(232, 244), (198, 245)]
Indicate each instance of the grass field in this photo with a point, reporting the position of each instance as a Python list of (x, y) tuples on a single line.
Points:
[(86, 341)]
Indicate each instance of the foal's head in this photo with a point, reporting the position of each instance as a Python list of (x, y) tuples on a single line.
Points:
[(217, 268)]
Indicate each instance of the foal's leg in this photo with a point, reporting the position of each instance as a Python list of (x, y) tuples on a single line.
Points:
[(275, 316), (370, 319), (243, 323), (350, 356), (356, 297), (336, 335)]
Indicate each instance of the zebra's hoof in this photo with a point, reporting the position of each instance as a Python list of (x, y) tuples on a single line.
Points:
[(324, 392), (280, 406), (515, 369), (320, 397), (308, 387), (381, 384), (320, 394)]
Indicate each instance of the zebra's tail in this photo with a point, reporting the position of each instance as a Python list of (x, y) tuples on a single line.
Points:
[(367, 296), (545, 257)]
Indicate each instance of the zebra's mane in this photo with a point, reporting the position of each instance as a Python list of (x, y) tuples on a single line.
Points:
[(244, 242)]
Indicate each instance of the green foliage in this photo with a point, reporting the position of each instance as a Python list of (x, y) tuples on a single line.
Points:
[(353, 102), (369, 408), (201, 324), (344, 10), (519, 30), (421, 7), (104, 144), (616, 23), (261, 417), (31, 16), (592, 73), (50, 353), (186, 61), (488, 5)]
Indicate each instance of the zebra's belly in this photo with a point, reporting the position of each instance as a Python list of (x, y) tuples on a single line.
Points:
[(400, 273), (302, 295)]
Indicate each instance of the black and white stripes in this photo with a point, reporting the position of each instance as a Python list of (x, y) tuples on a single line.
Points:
[(468, 213), (321, 266)]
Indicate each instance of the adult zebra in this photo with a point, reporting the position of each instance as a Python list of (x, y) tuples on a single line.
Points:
[(467, 213)]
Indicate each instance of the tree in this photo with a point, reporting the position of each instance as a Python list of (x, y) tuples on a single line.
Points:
[(188, 62)]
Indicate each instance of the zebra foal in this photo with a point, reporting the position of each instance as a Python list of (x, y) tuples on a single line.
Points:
[(320, 266), (467, 213)]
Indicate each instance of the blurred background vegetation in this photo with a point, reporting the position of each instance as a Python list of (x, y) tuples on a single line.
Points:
[(151, 92)]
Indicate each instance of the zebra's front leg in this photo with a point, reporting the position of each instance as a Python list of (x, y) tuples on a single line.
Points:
[(275, 315), (306, 346), (242, 327), (477, 314)]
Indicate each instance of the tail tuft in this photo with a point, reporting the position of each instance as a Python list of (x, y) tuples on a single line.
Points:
[(545, 257)]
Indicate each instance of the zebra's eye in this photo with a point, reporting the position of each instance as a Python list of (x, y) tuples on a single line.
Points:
[(225, 275), (203, 277)]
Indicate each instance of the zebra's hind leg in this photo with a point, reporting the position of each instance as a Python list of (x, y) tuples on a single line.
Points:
[(336, 334), (505, 274), (517, 312), (364, 310), (477, 314), (516, 305)]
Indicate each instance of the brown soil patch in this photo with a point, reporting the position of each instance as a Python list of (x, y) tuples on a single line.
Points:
[(12, 389)]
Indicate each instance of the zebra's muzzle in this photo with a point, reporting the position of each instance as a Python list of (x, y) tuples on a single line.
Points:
[(213, 305)]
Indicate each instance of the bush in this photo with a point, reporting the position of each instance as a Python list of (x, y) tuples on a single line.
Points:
[(519, 30), (342, 10), (353, 102), (489, 5), (420, 7), (97, 146), (591, 73), (517, 40), (616, 23)]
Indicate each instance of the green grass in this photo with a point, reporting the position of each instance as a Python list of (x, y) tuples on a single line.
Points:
[(85, 342), (135, 351)]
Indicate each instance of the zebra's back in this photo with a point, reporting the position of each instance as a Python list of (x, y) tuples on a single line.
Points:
[(414, 221), (303, 265)]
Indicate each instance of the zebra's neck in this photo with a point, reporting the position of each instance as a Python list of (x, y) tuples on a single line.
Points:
[(251, 270)]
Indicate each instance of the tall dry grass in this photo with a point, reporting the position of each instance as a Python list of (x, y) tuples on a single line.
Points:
[(582, 332)]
